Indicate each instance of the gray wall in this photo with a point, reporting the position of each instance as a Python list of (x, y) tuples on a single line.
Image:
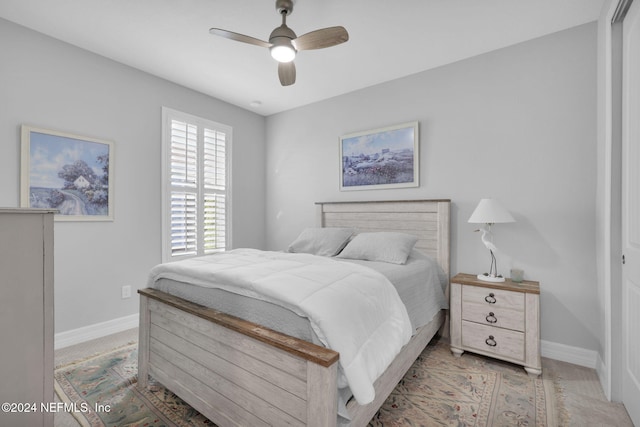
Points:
[(50, 84), (517, 124)]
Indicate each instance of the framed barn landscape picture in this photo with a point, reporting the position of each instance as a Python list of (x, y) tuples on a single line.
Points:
[(70, 173), (380, 158)]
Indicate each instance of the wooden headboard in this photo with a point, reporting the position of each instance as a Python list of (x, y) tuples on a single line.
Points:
[(427, 219)]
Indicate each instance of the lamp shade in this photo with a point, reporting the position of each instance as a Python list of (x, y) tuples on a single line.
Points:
[(489, 211)]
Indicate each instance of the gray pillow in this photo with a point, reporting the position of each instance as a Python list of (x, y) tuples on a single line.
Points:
[(321, 241), (383, 246)]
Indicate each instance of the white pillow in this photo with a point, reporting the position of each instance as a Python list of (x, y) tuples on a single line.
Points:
[(383, 246), (321, 241)]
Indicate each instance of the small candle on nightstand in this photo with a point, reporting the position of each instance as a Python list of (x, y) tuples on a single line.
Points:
[(517, 275)]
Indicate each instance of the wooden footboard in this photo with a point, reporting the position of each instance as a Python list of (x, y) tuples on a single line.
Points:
[(234, 372)]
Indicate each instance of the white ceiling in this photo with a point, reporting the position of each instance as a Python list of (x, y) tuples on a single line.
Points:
[(388, 39)]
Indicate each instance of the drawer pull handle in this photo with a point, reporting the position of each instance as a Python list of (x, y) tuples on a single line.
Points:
[(491, 298), (491, 318), (491, 341)]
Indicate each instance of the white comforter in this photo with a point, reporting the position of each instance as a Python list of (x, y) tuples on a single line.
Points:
[(353, 309)]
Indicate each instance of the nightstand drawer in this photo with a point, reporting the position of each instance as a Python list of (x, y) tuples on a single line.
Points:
[(494, 298), (501, 342), (493, 316)]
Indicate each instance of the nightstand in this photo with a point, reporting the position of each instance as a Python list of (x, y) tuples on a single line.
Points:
[(500, 320)]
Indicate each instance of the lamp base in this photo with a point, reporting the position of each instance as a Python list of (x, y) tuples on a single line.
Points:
[(488, 278)]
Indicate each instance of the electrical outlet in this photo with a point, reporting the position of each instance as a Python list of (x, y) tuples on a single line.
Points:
[(126, 292)]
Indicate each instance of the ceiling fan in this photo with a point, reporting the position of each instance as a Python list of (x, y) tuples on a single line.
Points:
[(284, 44)]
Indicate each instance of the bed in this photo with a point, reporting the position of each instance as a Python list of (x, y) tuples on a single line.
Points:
[(238, 372)]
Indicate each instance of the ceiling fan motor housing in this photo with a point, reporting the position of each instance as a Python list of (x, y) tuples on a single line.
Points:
[(282, 34)]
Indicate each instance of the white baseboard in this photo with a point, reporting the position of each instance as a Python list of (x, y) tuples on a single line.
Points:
[(566, 353), (97, 330)]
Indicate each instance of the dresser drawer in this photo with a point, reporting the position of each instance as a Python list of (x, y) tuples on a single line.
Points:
[(494, 298), (490, 315), (488, 339)]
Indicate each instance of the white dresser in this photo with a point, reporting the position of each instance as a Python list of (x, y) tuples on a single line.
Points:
[(26, 316), (500, 320)]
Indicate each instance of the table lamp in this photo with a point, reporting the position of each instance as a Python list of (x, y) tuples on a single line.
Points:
[(489, 212)]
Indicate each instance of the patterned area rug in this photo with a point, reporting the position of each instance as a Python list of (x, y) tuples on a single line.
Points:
[(443, 390), (438, 390), (101, 392)]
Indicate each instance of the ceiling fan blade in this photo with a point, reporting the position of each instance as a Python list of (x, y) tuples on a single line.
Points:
[(320, 39), (239, 37), (287, 73)]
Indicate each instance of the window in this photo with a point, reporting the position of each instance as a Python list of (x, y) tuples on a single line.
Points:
[(196, 190)]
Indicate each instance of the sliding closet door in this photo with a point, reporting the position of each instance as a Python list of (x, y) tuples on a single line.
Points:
[(631, 211)]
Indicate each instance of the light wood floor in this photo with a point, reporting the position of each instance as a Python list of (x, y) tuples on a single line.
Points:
[(585, 401)]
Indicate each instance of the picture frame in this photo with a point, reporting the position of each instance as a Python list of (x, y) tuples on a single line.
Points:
[(70, 173), (383, 158)]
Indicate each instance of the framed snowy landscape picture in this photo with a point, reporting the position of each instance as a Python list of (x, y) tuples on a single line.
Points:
[(70, 173), (380, 158)]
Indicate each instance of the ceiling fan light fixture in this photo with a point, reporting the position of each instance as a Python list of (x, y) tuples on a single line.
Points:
[(283, 52)]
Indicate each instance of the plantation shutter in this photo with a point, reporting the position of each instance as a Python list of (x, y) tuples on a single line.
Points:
[(215, 173), (184, 196), (196, 223)]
